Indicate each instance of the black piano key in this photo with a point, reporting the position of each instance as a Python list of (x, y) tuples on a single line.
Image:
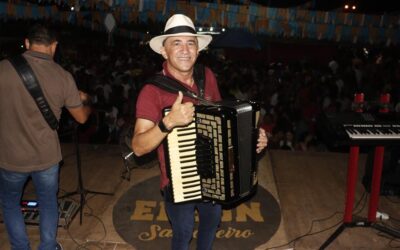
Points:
[(190, 182), (188, 133), (190, 196), (186, 145), (187, 150), (395, 130), (192, 185), (359, 131), (186, 156), (190, 192), (187, 172), (183, 129), (387, 132), (188, 176), (186, 161), (186, 140), (190, 166), (352, 131)]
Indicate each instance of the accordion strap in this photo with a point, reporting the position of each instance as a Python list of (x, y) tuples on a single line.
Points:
[(31, 83), (171, 85)]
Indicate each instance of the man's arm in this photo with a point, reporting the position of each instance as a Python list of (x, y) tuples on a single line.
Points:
[(81, 113), (147, 136)]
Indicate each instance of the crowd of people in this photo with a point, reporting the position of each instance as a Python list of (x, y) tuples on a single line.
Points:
[(292, 94)]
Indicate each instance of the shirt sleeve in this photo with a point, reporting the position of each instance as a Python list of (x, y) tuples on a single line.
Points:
[(72, 99), (148, 104), (212, 91)]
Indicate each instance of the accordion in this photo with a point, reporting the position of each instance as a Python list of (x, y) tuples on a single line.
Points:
[(214, 157)]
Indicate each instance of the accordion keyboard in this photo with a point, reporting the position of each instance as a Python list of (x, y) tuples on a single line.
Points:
[(182, 155)]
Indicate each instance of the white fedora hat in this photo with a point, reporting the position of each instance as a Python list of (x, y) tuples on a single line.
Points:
[(179, 25)]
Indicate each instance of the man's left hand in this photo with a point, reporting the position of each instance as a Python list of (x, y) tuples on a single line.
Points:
[(262, 141)]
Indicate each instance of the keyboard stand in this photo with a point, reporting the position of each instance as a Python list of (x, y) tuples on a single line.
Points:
[(352, 170)]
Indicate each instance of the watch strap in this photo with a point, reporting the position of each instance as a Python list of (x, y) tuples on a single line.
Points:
[(162, 127)]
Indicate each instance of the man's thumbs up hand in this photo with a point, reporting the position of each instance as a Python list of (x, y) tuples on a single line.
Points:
[(178, 100), (181, 114)]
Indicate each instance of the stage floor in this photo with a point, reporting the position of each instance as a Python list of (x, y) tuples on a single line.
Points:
[(309, 189)]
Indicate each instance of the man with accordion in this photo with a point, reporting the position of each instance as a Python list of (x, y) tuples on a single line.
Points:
[(180, 46)]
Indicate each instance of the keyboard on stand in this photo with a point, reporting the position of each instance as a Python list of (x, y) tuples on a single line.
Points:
[(359, 128), (373, 131)]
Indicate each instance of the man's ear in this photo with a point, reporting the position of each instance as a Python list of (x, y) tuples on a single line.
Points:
[(27, 44), (164, 53), (53, 47)]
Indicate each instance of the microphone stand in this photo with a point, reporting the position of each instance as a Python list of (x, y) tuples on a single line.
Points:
[(80, 190)]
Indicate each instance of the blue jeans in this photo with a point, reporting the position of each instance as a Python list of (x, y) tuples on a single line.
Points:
[(11, 191), (182, 216)]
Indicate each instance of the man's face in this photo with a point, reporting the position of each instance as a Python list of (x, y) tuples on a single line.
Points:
[(180, 52)]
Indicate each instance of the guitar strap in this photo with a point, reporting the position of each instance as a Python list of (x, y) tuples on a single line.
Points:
[(31, 83)]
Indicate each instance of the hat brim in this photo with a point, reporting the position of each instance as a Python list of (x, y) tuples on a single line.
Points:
[(156, 43)]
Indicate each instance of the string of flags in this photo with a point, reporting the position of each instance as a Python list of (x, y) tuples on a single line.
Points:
[(274, 22)]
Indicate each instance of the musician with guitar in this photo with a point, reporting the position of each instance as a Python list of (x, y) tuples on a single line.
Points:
[(179, 46), (32, 87)]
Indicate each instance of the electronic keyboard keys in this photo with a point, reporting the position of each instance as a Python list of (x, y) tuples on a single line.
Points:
[(372, 131)]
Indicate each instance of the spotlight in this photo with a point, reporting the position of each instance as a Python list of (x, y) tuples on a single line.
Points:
[(353, 7), (346, 6)]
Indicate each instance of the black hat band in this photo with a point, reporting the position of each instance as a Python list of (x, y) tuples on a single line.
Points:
[(180, 29)]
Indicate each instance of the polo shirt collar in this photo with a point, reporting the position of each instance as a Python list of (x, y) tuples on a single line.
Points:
[(167, 73), (38, 55)]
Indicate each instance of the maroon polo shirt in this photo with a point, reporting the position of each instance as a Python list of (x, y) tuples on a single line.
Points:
[(152, 100)]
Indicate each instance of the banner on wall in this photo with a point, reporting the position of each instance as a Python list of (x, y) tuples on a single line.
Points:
[(272, 22)]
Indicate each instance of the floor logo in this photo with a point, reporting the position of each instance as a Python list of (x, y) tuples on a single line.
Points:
[(140, 219)]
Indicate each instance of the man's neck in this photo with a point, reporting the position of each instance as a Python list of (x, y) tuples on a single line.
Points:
[(184, 77), (42, 49)]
